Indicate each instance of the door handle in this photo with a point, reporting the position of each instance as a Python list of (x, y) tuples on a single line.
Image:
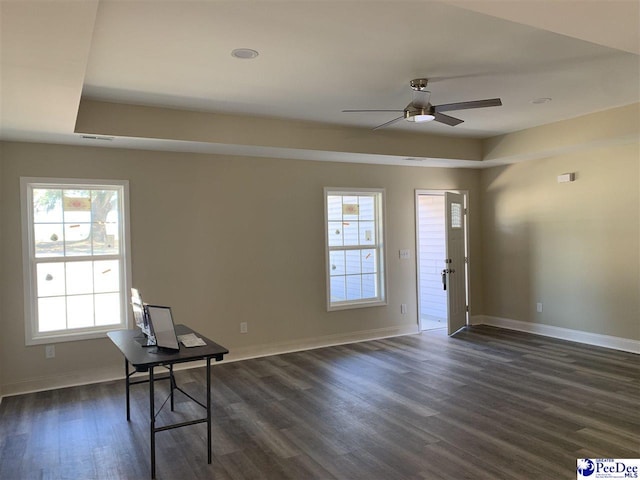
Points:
[(444, 276)]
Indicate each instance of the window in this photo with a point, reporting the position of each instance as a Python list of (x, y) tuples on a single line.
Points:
[(76, 263), (456, 215), (354, 245)]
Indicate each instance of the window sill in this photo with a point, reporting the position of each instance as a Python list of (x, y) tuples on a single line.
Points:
[(62, 337), (357, 304)]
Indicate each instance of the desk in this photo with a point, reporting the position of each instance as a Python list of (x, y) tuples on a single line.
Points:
[(142, 360)]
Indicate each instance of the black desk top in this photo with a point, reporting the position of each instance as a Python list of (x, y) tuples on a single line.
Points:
[(141, 357)]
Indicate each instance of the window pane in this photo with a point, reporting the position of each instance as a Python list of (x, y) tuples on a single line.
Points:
[(77, 238), (52, 313), (456, 215), (80, 311), (337, 286), (367, 209), (350, 208), (104, 208), (49, 240), (336, 262), (367, 233), (50, 279), (369, 289), (105, 238), (353, 262), (77, 206), (334, 207), (354, 287), (103, 202), (368, 261), (106, 276), (107, 309), (79, 277), (350, 233), (335, 234), (47, 205)]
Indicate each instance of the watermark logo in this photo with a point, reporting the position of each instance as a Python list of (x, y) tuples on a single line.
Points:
[(586, 467), (608, 468)]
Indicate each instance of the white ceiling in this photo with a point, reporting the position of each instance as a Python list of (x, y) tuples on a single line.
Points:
[(317, 58)]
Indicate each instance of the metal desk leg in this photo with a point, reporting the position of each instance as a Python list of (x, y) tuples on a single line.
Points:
[(209, 410), (172, 383), (126, 376), (152, 431)]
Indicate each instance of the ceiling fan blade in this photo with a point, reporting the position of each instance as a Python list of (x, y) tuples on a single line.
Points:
[(362, 111), (490, 102), (386, 124), (451, 121)]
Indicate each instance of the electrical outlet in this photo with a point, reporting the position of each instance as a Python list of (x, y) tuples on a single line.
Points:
[(243, 327), (50, 351), (403, 308), (539, 307)]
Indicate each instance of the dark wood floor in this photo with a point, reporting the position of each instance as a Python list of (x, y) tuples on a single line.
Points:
[(487, 404)]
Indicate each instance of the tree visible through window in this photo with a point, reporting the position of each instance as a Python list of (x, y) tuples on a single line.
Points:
[(354, 239), (75, 266)]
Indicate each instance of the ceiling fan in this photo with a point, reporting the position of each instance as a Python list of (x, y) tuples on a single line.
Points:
[(420, 110)]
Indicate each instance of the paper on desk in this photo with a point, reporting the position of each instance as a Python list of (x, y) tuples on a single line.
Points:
[(190, 340)]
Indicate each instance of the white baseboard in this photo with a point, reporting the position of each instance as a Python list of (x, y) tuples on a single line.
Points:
[(256, 351), (106, 374), (607, 341)]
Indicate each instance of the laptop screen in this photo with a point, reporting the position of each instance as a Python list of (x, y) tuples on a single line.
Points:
[(162, 322)]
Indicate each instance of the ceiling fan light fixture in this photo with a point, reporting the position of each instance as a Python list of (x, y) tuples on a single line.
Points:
[(419, 116)]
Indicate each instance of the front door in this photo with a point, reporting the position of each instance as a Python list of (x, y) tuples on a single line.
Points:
[(453, 273)]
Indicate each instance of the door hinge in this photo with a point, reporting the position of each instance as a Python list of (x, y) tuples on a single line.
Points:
[(466, 308), (466, 259)]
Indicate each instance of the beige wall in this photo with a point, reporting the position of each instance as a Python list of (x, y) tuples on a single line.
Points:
[(222, 240), (1, 267), (230, 239), (574, 246)]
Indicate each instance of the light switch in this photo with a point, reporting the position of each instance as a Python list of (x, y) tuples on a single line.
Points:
[(404, 254)]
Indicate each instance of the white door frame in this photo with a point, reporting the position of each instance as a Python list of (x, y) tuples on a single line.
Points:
[(419, 192)]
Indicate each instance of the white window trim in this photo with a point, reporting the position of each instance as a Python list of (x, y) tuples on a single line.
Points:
[(32, 337), (381, 234)]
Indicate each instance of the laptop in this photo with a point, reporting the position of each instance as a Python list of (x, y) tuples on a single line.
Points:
[(162, 324)]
